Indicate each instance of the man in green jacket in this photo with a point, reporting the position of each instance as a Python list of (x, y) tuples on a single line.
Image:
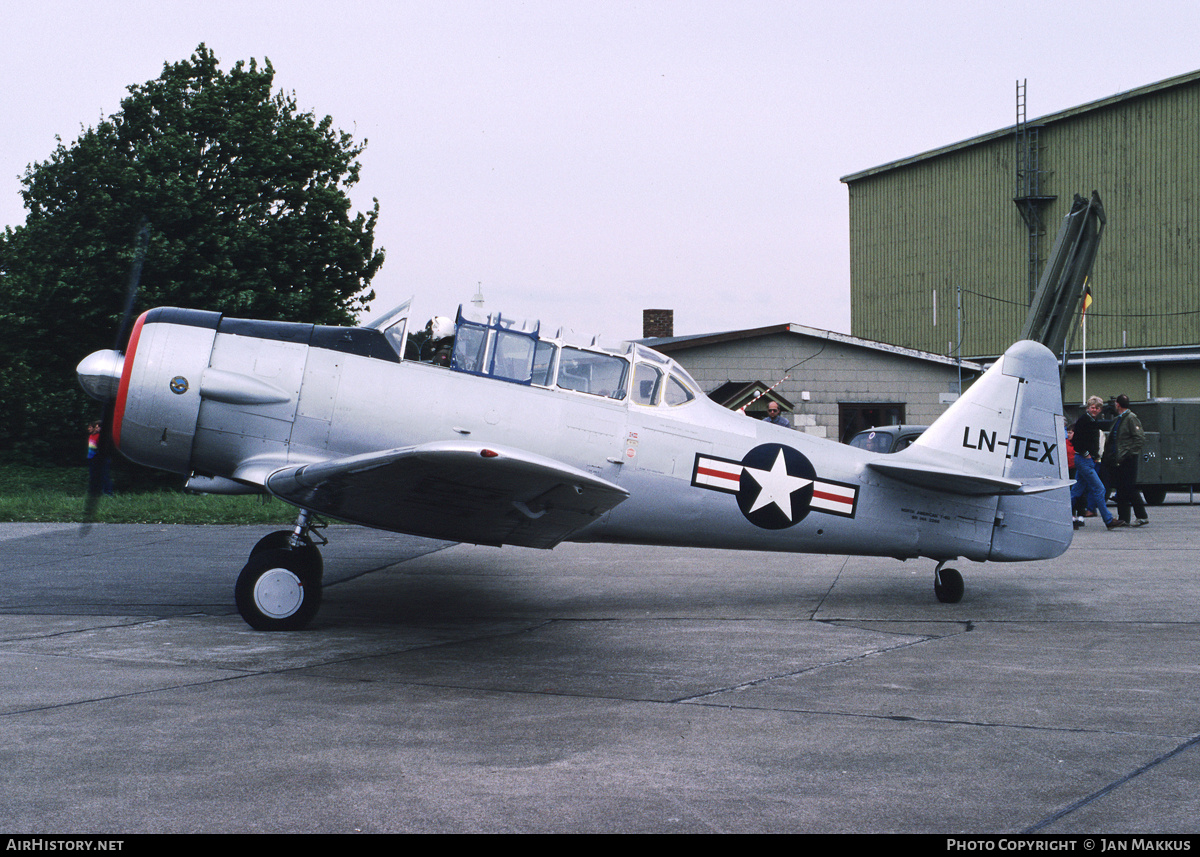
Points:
[(1121, 454)]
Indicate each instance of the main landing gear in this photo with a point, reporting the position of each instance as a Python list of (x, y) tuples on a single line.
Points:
[(279, 589), (947, 584)]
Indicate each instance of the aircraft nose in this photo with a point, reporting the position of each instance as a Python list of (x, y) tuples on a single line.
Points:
[(100, 374)]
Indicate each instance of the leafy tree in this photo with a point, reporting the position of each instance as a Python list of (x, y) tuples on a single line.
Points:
[(247, 200)]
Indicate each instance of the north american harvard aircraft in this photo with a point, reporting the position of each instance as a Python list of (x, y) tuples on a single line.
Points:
[(489, 430)]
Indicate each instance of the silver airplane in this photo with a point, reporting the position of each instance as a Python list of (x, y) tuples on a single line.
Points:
[(488, 430)]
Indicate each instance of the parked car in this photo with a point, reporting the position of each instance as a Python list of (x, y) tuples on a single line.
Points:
[(887, 438)]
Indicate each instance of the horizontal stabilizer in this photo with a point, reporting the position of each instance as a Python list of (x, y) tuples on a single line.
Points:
[(456, 491), (939, 478)]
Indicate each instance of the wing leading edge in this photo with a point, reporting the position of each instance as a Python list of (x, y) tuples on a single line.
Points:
[(455, 491)]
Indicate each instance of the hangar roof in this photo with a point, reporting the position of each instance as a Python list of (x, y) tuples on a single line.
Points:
[(1140, 91)]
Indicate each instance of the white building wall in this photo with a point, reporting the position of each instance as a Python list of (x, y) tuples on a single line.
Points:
[(831, 372)]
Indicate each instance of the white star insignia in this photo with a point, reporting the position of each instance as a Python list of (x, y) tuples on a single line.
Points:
[(776, 486)]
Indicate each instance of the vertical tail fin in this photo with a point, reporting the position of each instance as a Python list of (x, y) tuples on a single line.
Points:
[(1005, 437), (1009, 423)]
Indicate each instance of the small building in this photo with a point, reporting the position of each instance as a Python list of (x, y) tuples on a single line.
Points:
[(828, 384), (751, 397)]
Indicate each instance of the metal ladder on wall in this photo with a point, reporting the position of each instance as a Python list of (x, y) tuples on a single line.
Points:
[(1028, 195)]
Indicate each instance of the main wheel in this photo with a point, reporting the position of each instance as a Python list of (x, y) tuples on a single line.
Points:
[(948, 586), (281, 540), (278, 590)]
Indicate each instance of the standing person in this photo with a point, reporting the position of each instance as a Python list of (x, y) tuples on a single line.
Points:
[(99, 479), (1121, 454), (773, 416), (1078, 504), (1085, 438)]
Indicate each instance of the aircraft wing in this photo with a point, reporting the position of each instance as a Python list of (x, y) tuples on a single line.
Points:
[(457, 491)]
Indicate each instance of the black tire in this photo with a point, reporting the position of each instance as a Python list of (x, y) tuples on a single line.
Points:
[(1154, 495), (948, 586), (278, 590), (277, 540), (280, 540)]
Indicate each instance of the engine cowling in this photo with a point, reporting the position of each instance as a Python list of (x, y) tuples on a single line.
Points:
[(156, 385)]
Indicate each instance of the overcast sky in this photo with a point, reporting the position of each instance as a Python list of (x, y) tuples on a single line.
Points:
[(586, 160)]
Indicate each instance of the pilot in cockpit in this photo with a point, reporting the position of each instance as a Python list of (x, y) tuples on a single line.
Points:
[(435, 344), (441, 340)]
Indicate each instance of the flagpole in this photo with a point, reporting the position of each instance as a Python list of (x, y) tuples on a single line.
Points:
[(1087, 302), (1083, 396)]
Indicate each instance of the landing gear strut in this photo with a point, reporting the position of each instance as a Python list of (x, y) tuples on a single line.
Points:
[(947, 584), (279, 589)]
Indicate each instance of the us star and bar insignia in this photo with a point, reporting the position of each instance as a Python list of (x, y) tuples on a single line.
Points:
[(775, 486)]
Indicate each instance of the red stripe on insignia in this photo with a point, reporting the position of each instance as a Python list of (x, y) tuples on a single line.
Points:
[(837, 498), (723, 474)]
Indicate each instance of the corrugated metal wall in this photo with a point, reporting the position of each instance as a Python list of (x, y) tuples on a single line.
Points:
[(948, 222)]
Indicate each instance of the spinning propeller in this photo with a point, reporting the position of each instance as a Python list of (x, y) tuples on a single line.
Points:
[(100, 373)]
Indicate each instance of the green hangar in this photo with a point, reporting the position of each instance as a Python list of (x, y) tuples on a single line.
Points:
[(946, 247)]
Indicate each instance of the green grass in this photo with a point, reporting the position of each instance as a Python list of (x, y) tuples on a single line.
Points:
[(59, 494)]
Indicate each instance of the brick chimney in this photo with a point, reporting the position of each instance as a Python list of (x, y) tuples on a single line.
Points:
[(658, 323)]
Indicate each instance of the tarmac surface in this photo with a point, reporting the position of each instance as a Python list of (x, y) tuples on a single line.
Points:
[(453, 688)]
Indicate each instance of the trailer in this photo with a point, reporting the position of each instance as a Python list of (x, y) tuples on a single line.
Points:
[(1171, 456)]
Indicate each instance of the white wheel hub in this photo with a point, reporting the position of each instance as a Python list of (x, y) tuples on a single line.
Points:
[(278, 593)]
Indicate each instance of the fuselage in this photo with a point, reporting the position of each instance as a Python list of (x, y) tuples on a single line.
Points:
[(227, 402)]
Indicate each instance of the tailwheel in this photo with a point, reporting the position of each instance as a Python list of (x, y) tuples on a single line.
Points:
[(279, 590), (948, 585)]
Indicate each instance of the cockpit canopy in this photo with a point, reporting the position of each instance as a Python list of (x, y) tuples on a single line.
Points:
[(517, 351)]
